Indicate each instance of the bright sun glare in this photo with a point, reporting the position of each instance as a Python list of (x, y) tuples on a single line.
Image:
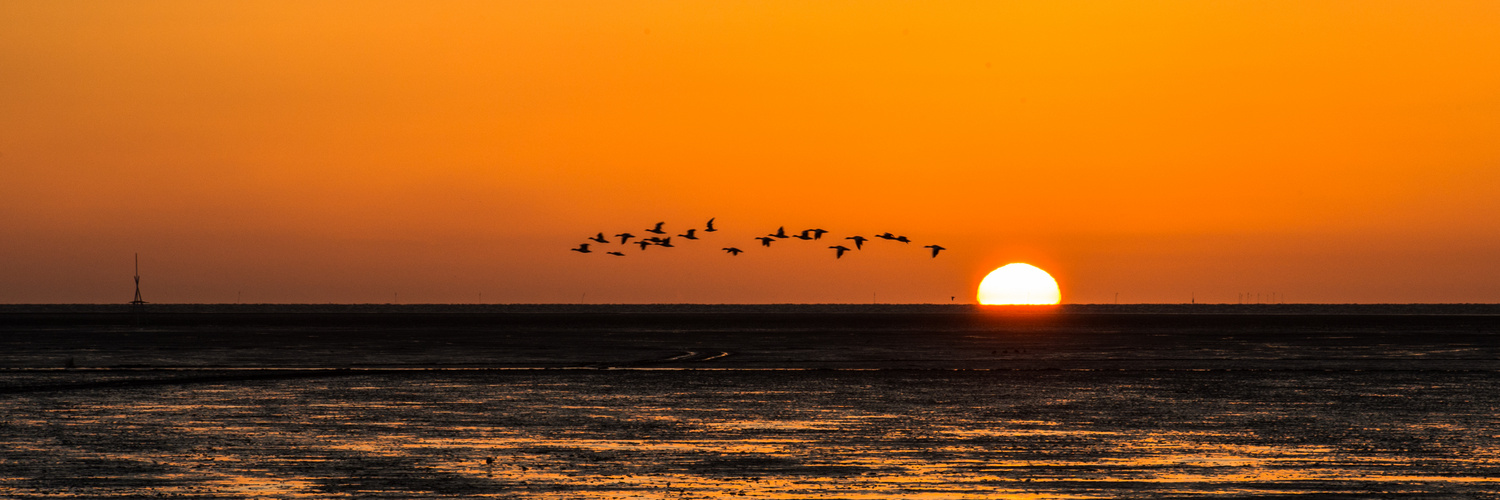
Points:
[(1019, 284)]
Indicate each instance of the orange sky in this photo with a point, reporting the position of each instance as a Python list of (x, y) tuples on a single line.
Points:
[(352, 151)]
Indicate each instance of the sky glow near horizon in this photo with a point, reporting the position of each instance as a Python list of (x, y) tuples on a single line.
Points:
[(452, 152)]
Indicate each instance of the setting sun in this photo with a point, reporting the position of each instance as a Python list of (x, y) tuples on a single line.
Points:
[(1019, 284)]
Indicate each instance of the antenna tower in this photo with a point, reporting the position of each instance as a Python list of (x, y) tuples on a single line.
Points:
[(137, 300)]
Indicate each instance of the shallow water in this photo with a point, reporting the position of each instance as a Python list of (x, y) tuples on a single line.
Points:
[(768, 434), (674, 411)]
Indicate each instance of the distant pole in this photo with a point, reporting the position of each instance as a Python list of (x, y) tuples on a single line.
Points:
[(137, 300), (1117, 297), (137, 305)]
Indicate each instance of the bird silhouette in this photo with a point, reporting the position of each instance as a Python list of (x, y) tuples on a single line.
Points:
[(689, 234), (859, 241), (624, 237), (780, 232), (653, 240), (599, 238), (666, 242), (817, 233), (886, 236), (804, 236), (616, 254), (733, 250), (643, 244), (582, 248), (839, 251), (657, 229), (902, 239), (710, 227), (935, 249), (765, 241)]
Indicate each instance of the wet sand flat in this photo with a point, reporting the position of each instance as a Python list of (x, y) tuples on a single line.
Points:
[(790, 403)]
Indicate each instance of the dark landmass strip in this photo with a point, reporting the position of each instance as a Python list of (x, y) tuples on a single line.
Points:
[(799, 336)]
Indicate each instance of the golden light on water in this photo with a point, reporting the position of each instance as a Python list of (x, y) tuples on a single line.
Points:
[(1019, 284)]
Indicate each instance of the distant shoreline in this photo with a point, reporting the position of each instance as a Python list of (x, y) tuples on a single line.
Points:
[(1065, 309)]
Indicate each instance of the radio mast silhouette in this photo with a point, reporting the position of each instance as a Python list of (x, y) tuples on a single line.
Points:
[(137, 300)]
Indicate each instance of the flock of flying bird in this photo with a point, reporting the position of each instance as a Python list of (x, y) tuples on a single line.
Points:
[(765, 241)]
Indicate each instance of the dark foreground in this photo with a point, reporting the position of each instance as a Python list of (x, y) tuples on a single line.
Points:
[(770, 402)]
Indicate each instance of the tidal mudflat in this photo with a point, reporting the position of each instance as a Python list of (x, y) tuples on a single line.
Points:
[(941, 403)]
